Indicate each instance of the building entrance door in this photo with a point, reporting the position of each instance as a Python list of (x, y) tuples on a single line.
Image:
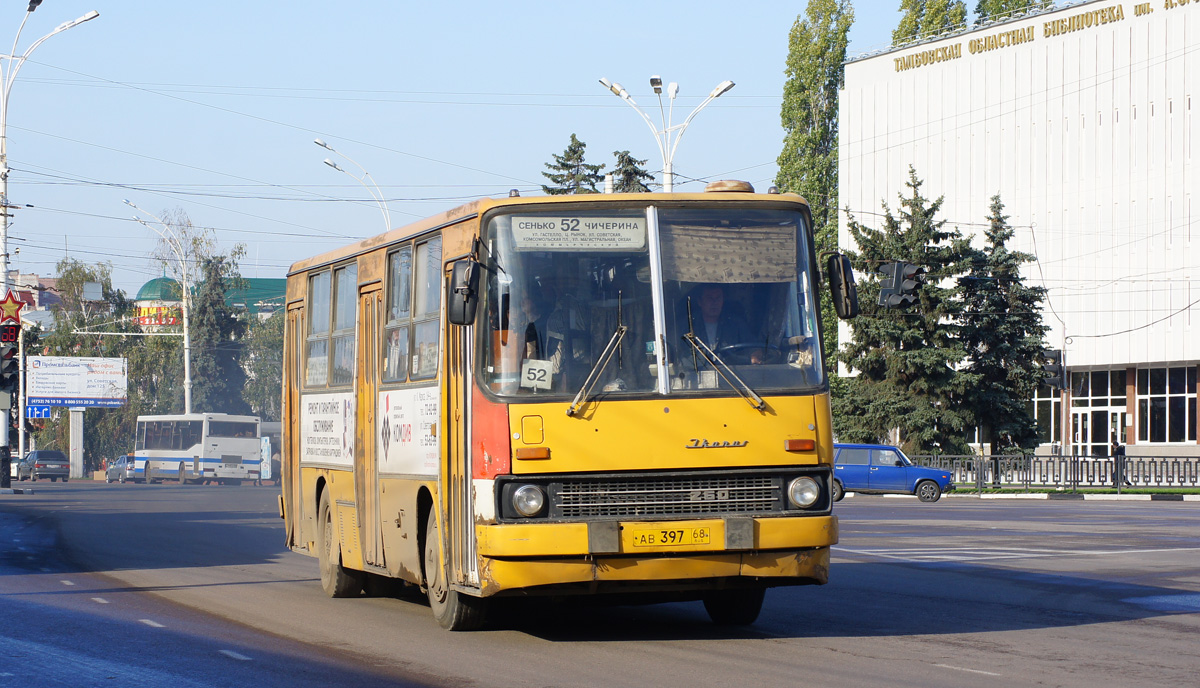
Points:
[(1092, 430)]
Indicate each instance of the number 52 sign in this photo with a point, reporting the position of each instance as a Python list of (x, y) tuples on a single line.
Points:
[(536, 374)]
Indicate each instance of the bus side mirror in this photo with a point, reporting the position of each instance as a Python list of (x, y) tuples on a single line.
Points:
[(464, 293), (842, 288)]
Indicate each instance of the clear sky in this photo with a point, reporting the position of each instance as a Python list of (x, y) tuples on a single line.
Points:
[(211, 108)]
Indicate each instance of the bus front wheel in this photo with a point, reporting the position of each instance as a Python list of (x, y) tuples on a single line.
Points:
[(453, 610), (336, 580), (738, 607)]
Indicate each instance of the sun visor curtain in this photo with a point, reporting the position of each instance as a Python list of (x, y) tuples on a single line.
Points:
[(732, 255)]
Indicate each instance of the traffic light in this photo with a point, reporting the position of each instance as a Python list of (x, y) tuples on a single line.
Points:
[(900, 286), (9, 365), (1052, 365)]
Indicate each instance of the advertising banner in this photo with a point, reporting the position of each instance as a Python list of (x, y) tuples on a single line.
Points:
[(76, 381)]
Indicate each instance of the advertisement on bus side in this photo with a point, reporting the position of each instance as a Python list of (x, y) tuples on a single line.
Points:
[(327, 429), (408, 437)]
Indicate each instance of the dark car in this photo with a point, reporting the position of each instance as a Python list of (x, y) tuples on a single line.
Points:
[(120, 470), (881, 469), (45, 463)]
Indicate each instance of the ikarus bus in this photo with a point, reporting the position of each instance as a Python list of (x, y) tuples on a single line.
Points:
[(610, 394), (197, 447)]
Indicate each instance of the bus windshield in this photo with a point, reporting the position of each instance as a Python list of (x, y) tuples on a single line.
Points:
[(720, 296)]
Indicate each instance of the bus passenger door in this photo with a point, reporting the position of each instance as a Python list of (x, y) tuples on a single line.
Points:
[(290, 455), (366, 462), (457, 485)]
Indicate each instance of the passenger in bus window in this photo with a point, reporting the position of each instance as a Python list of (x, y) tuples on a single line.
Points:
[(545, 333)]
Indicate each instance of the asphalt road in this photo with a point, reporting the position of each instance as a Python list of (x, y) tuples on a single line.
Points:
[(964, 592)]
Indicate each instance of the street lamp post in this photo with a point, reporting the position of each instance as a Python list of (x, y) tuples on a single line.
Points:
[(12, 66), (669, 135), (180, 252), (373, 188)]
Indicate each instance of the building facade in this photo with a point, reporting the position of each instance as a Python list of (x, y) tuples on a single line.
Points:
[(1083, 119)]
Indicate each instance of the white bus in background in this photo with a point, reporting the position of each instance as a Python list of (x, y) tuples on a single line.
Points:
[(271, 448), (197, 448)]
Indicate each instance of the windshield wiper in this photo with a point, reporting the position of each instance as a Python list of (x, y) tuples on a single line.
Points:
[(722, 368), (614, 345), (601, 363)]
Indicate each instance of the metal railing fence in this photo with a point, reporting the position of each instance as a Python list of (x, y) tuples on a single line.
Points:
[(974, 472)]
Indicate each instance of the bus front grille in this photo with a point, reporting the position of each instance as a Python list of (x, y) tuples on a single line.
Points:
[(667, 496)]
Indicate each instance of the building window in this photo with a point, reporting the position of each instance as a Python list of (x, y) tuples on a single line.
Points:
[(1047, 409), (1166, 404)]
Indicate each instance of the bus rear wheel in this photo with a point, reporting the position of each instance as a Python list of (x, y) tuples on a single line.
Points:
[(336, 580), (453, 610), (738, 607)]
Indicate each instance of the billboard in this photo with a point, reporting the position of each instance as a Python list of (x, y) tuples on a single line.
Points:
[(75, 381)]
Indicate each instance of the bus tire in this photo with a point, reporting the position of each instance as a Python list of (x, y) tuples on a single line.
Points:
[(182, 474), (453, 610), (737, 607), (336, 580)]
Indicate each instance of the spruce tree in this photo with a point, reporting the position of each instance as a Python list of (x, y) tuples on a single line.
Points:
[(1003, 334), (629, 174), (907, 360), (808, 163), (218, 377), (570, 174)]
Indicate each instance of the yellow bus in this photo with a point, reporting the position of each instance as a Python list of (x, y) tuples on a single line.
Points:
[(609, 393)]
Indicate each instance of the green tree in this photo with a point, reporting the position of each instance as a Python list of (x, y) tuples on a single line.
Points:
[(629, 174), (264, 366), (907, 360), (218, 378), (808, 164), (570, 174), (923, 19), (1002, 332), (986, 10)]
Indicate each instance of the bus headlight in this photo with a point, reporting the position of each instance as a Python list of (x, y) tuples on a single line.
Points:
[(528, 500), (803, 492)]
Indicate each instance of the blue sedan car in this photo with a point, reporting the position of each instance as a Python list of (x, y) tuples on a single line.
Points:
[(880, 469)]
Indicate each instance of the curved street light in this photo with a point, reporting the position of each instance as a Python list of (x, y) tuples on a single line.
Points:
[(178, 249), (12, 66), (373, 188), (669, 135)]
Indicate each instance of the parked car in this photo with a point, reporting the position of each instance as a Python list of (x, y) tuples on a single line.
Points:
[(120, 470), (880, 469), (45, 463)]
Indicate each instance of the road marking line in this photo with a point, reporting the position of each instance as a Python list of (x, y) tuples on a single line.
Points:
[(100, 600), (234, 655), (152, 624), (951, 554), (973, 671), (67, 582)]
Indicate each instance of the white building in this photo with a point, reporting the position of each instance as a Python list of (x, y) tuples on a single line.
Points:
[(1084, 120)]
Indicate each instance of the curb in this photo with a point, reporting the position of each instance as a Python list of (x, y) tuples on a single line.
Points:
[(16, 490), (1075, 496)]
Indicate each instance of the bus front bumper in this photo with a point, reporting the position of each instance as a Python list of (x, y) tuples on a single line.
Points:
[(775, 551)]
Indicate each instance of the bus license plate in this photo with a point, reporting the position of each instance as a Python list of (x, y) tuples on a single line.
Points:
[(666, 537)]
